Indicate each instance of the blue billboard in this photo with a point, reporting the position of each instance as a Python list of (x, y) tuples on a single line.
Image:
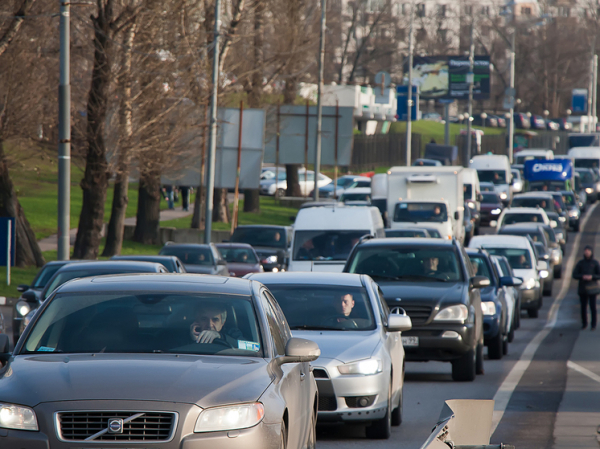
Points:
[(548, 170)]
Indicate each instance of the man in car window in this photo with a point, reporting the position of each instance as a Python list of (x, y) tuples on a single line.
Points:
[(277, 237), (209, 323), (344, 305), (430, 266)]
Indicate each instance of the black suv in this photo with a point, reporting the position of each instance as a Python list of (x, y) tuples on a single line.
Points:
[(434, 282)]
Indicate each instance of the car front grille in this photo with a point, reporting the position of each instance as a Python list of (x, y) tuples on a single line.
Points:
[(327, 403), (320, 373), (136, 426), (417, 314)]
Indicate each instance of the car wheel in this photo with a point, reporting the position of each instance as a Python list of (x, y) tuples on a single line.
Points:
[(382, 428), (312, 436), (283, 444), (463, 369), (495, 347), (547, 289), (557, 271), (576, 227), (532, 313), (479, 360), (505, 346), (511, 332), (540, 302), (397, 413)]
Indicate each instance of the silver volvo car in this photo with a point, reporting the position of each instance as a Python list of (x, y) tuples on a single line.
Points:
[(158, 361), (360, 373)]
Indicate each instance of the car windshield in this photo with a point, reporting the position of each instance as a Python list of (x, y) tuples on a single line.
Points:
[(522, 218), (569, 199), (468, 191), (552, 186), (434, 233), (540, 248), (420, 212), (493, 176), (480, 266), (45, 275), (517, 258), (345, 182), (269, 237), (355, 197), (324, 307), (407, 263), (587, 163), (405, 233), (487, 188), (535, 234), (190, 255), (237, 255), (145, 323), (490, 198), (545, 203), (586, 176), (325, 245), (270, 175)]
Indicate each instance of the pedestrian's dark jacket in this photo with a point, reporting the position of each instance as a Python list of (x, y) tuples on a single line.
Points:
[(583, 267)]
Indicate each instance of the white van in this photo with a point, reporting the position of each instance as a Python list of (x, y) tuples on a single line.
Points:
[(494, 168), (533, 153), (427, 196), (586, 157), (323, 236)]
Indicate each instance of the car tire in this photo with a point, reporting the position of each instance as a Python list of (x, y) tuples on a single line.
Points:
[(558, 271), (463, 369), (479, 359), (511, 332), (532, 313), (576, 227), (382, 428), (505, 346), (397, 413), (312, 436), (495, 347)]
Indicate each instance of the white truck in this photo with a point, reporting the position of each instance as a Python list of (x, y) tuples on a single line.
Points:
[(427, 196), (495, 168)]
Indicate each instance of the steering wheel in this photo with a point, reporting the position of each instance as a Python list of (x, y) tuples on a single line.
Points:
[(347, 323), (222, 342)]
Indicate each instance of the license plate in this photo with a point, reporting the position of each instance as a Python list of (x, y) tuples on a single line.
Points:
[(410, 341)]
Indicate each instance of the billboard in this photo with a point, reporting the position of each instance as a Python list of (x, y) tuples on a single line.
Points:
[(445, 77)]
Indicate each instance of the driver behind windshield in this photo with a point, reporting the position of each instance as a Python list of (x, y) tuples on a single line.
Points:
[(208, 326), (343, 306)]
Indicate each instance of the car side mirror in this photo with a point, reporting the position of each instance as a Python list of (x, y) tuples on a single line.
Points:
[(517, 281), (22, 288), (399, 323), (507, 281), (479, 282), (553, 223), (221, 262), (298, 350), (456, 216), (542, 265), (29, 296)]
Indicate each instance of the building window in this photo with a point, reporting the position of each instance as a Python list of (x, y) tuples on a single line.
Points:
[(443, 35), (421, 34), (468, 10), (564, 11), (421, 10), (525, 10), (441, 12), (485, 11)]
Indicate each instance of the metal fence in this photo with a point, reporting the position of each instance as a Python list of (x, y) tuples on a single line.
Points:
[(382, 150)]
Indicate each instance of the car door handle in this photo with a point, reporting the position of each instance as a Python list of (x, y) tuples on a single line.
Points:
[(302, 376)]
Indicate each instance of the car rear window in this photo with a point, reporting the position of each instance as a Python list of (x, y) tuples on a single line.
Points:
[(522, 218), (189, 255)]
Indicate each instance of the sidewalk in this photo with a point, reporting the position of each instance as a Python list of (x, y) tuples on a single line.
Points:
[(51, 243)]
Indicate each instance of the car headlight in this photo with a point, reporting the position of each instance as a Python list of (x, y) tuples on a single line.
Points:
[(17, 417), (270, 259), (458, 312), (496, 211), (503, 196), (232, 417), (574, 213), (488, 308), (471, 205), (544, 274), (559, 235), (588, 190), (23, 308), (597, 187), (528, 284), (562, 219), (366, 367)]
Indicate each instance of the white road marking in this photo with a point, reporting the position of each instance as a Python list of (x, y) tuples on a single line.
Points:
[(584, 371), (505, 391)]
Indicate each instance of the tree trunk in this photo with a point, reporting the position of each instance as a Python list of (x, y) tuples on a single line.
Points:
[(27, 251), (221, 206), (114, 234), (252, 200), (95, 180), (293, 181), (148, 210), (197, 222)]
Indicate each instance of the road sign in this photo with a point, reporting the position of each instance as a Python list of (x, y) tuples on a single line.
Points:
[(579, 101), (509, 98), (402, 92), (383, 78)]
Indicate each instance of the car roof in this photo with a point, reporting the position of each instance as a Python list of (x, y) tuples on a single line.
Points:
[(524, 210), (187, 245), (103, 264), (510, 241), (164, 282), (399, 241), (234, 245), (533, 194), (357, 190), (308, 278), (143, 257), (521, 226), (263, 227)]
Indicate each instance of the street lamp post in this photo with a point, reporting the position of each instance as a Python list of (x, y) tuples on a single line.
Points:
[(484, 117), (409, 100)]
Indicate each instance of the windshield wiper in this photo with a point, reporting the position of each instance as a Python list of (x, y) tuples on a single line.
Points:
[(306, 327), (421, 277)]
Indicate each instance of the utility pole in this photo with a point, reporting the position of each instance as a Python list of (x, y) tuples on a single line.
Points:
[(511, 111), (319, 103), (447, 124), (595, 93), (409, 100), (64, 134), (212, 133), (471, 81)]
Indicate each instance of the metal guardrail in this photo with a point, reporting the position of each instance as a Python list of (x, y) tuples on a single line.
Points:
[(464, 424)]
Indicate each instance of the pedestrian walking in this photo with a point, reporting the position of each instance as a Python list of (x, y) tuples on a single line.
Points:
[(168, 193), (185, 197), (587, 271)]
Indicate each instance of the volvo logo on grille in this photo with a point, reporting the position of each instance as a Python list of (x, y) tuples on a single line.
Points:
[(115, 425)]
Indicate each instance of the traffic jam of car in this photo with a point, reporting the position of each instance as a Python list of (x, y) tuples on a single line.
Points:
[(255, 341)]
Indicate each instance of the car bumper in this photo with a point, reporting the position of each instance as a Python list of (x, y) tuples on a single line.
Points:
[(529, 298), (433, 346), (339, 395), (486, 217), (491, 327), (273, 266)]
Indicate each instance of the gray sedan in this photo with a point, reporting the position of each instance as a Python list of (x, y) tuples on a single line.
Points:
[(360, 373), (165, 360)]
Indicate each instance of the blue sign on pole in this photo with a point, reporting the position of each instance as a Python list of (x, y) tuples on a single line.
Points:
[(579, 101), (402, 92), (4, 241)]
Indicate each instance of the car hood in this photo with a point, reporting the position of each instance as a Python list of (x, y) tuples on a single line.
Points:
[(426, 293), (203, 380), (345, 346), (265, 251), (200, 269)]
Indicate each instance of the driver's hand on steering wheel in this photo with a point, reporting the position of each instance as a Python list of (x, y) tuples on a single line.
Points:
[(206, 336)]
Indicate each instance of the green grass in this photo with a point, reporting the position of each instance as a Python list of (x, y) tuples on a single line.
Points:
[(435, 130), (270, 213)]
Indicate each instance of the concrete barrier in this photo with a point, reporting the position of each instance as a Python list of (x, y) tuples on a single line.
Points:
[(186, 235)]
